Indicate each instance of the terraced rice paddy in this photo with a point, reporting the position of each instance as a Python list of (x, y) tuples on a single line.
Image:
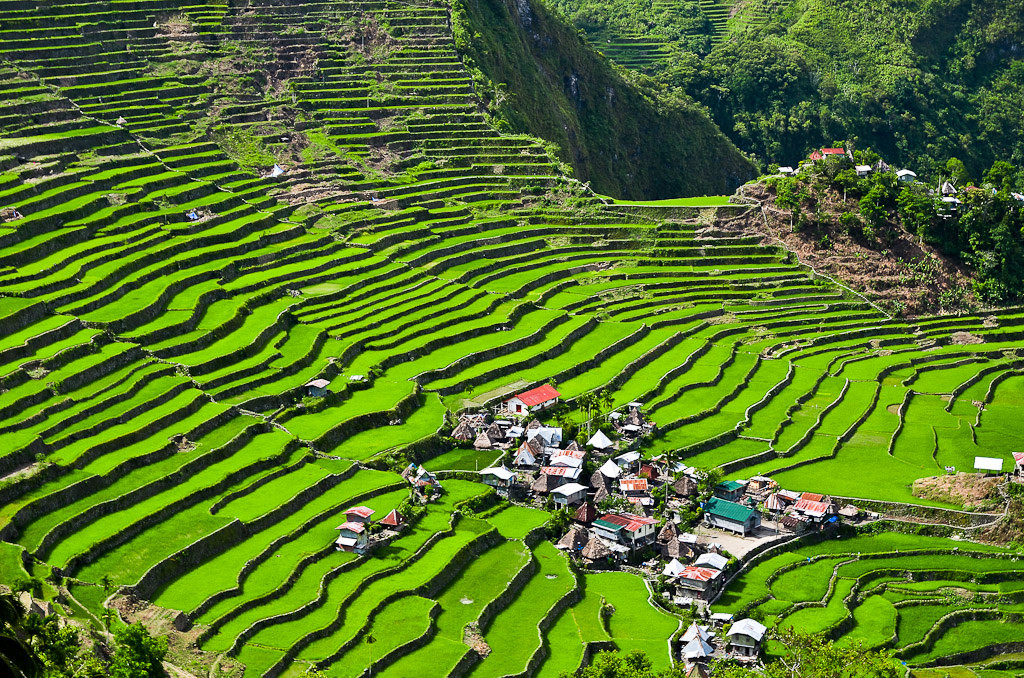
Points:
[(924, 598), (153, 426)]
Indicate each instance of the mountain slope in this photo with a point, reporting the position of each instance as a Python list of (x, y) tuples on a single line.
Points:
[(617, 132)]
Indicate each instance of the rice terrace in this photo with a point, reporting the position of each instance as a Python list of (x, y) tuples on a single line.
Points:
[(312, 365)]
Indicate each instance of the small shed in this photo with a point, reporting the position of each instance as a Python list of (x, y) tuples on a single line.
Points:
[(863, 170), (600, 441), (393, 520), (317, 388), (988, 464)]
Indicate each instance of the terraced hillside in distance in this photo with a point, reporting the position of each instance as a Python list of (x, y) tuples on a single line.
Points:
[(165, 295)]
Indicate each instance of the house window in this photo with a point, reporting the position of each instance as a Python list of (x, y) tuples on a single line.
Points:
[(519, 408)]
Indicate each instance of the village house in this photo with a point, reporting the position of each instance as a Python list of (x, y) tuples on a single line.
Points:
[(730, 516), (464, 431), (636, 491), (531, 401), (730, 490), (585, 514), (704, 582), (574, 540), (353, 536), (610, 470), (569, 494), (906, 176), (815, 511), (317, 388), (421, 479), (499, 477), (550, 436), (745, 637), (628, 529), (696, 650), (713, 560), (671, 544), (529, 453), (862, 170), (829, 153), (564, 474)]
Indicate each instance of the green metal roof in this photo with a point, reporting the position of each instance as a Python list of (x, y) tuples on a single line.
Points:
[(607, 525), (728, 510), (729, 486)]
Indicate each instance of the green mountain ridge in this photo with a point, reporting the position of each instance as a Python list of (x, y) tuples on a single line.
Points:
[(620, 134), (920, 81)]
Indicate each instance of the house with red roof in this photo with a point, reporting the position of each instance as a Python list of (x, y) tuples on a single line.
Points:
[(393, 520), (359, 514), (702, 581), (533, 400), (626, 528), (352, 537), (823, 153)]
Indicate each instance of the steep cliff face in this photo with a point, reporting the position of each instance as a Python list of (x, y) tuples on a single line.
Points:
[(539, 75)]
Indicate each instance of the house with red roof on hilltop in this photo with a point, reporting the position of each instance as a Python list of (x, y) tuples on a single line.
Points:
[(823, 153), (533, 400)]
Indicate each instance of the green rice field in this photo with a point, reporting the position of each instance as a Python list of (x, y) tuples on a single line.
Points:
[(165, 298)]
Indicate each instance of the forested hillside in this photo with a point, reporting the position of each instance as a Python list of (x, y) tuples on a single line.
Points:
[(618, 133), (919, 81)]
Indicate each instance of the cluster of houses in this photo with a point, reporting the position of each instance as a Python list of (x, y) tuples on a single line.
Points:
[(424, 483), (737, 506), (946, 193), (358, 534), (700, 644), (844, 155)]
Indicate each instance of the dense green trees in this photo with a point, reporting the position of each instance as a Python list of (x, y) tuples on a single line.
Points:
[(36, 647), (921, 81), (984, 230), (536, 74)]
